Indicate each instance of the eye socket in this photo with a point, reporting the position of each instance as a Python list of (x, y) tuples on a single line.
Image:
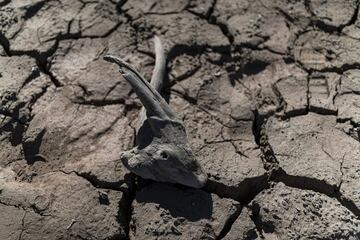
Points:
[(164, 155)]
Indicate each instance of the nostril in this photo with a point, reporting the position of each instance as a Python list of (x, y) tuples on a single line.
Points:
[(164, 155), (123, 156)]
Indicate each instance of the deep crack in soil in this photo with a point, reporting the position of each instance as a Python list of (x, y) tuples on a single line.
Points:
[(259, 85)]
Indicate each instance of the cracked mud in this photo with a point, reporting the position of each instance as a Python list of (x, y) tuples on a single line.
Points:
[(269, 92)]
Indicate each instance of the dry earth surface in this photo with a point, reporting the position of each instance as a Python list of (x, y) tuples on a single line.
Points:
[(269, 91)]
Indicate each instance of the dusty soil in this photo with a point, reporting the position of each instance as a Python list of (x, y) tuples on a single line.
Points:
[(269, 91)]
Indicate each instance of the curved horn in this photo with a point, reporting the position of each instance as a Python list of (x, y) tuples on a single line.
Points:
[(158, 75), (154, 104)]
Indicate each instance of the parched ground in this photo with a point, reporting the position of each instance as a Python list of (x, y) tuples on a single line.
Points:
[(269, 91)]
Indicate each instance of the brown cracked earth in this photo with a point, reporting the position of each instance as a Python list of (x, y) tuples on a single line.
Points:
[(269, 91)]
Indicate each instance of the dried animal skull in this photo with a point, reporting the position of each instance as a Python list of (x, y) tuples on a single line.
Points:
[(162, 152)]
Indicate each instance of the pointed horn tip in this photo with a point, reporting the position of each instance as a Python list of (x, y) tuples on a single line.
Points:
[(110, 58), (121, 63), (156, 38), (157, 41)]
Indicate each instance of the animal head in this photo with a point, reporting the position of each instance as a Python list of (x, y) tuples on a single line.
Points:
[(165, 163), (162, 152)]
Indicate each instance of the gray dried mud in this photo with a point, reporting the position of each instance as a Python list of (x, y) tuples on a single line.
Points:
[(269, 92)]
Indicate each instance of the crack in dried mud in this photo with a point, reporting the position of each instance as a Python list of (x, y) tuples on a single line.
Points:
[(245, 191), (22, 226), (277, 174), (319, 186), (229, 222)]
